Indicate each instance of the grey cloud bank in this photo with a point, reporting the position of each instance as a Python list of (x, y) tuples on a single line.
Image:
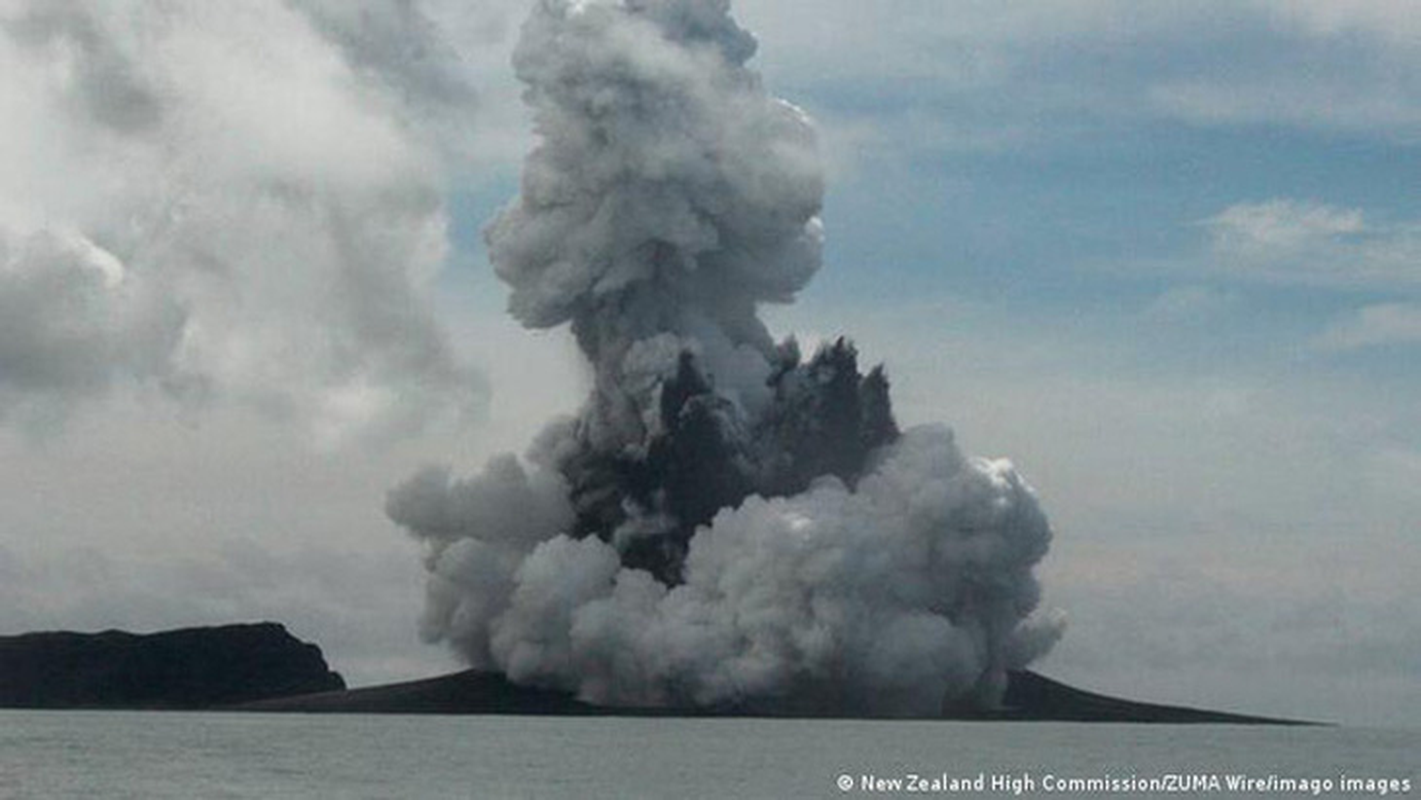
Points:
[(227, 203)]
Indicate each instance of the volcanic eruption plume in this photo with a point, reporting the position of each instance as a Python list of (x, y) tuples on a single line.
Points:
[(726, 522)]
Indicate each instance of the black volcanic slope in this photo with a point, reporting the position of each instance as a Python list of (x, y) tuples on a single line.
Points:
[(1029, 697), (468, 692), (180, 669)]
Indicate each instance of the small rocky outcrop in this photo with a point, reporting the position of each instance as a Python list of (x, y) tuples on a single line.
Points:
[(181, 669)]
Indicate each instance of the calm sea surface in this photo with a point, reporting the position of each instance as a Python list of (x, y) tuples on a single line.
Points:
[(179, 755)]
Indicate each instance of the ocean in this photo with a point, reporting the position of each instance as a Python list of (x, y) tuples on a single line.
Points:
[(151, 755)]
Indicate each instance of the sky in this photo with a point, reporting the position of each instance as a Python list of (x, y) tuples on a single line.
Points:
[(1166, 257)]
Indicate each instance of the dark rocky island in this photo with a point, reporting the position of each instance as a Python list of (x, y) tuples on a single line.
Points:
[(1029, 697), (181, 669)]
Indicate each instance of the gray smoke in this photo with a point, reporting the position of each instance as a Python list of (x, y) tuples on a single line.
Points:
[(725, 523)]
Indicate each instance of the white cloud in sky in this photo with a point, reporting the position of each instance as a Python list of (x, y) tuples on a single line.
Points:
[(1281, 227), (1395, 21), (1374, 326), (1309, 243), (442, 59), (229, 202)]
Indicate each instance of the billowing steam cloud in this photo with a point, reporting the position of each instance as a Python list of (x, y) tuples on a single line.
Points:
[(725, 523), (239, 201)]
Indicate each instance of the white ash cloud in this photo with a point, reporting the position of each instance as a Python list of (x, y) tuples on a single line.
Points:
[(724, 523)]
